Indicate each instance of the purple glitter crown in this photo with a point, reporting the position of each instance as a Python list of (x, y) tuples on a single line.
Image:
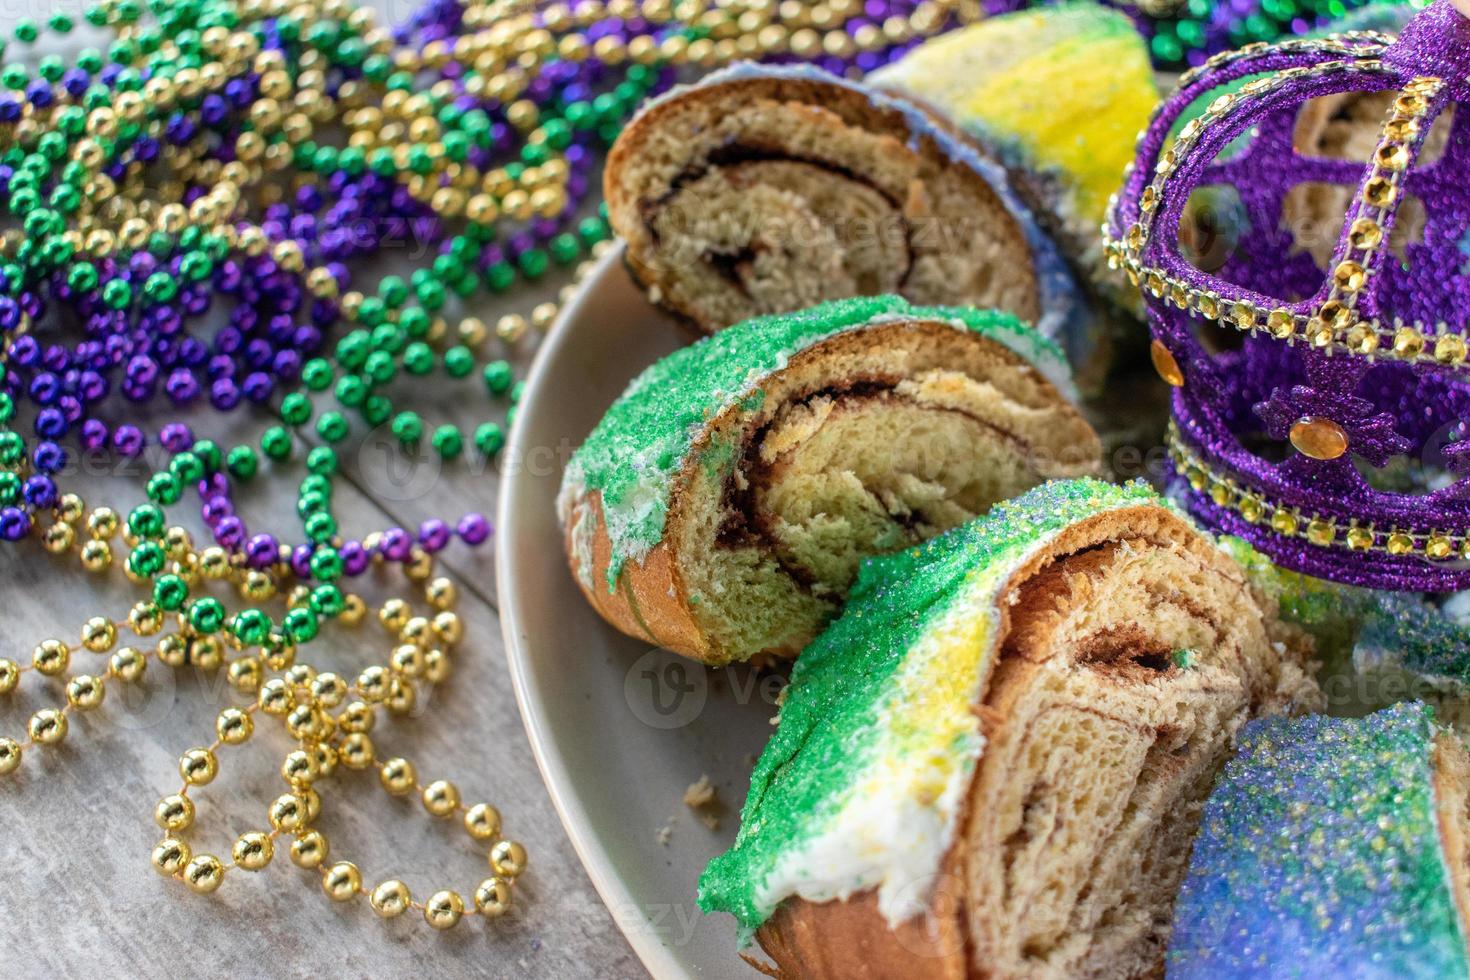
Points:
[(1320, 410)]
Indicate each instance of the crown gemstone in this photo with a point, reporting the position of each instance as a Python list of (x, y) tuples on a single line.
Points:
[(1360, 538), (1165, 364), (1393, 156), (1281, 324), (1380, 192), (1408, 342), (1283, 522), (1438, 547), (1321, 532), (1400, 543), (1366, 234), (1401, 128), (1449, 349), (1319, 438), (1349, 276)]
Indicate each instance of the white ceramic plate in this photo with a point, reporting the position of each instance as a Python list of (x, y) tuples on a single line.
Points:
[(619, 729)]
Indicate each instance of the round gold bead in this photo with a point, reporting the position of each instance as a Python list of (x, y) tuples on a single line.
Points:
[(204, 874), (402, 696), (393, 614), (198, 767), (407, 659), (358, 716), (440, 798), (449, 628), (59, 538), (1359, 538), (482, 821), (288, 812), (9, 676), (170, 856), (298, 767), (310, 849), (398, 776), (1362, 338), (373, 684), (99, 634), (244, 674), (356, 751), (85, 692), (174, 813), (390, 899), (416, 630), (10, 756), (127, 664), (234, 726), (353, 609), (508, 858), (70, 508), (275, 697), (444, 909), (342, 881), (1438, 547), (493, 897), (253, 851), (511, 328), (173, 650), (48, 726), (51, 657), (96, 556), (436, 666), (1400, 543)]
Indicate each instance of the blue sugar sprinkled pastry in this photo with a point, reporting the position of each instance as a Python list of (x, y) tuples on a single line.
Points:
[(1331, 847)]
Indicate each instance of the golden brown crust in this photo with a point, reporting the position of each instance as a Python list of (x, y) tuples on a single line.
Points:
[(627, 206), (838, 940), (651, 601), (853, 941)]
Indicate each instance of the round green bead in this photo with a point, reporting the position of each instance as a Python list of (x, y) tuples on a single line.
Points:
[(458, 361), (170, 591), (164, 489), (275, 442), (322, 461), (146, 521), (242, 462), (489, 438), (408, 428), (295, 409), (250, 626), (332, 426), (206, 614), (447, 441)]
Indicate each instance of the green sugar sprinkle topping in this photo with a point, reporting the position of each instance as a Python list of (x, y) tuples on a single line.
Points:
[(861, 784), (645, 436)]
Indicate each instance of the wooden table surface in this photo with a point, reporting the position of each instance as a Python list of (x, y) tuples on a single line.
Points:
[(79, 895)]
